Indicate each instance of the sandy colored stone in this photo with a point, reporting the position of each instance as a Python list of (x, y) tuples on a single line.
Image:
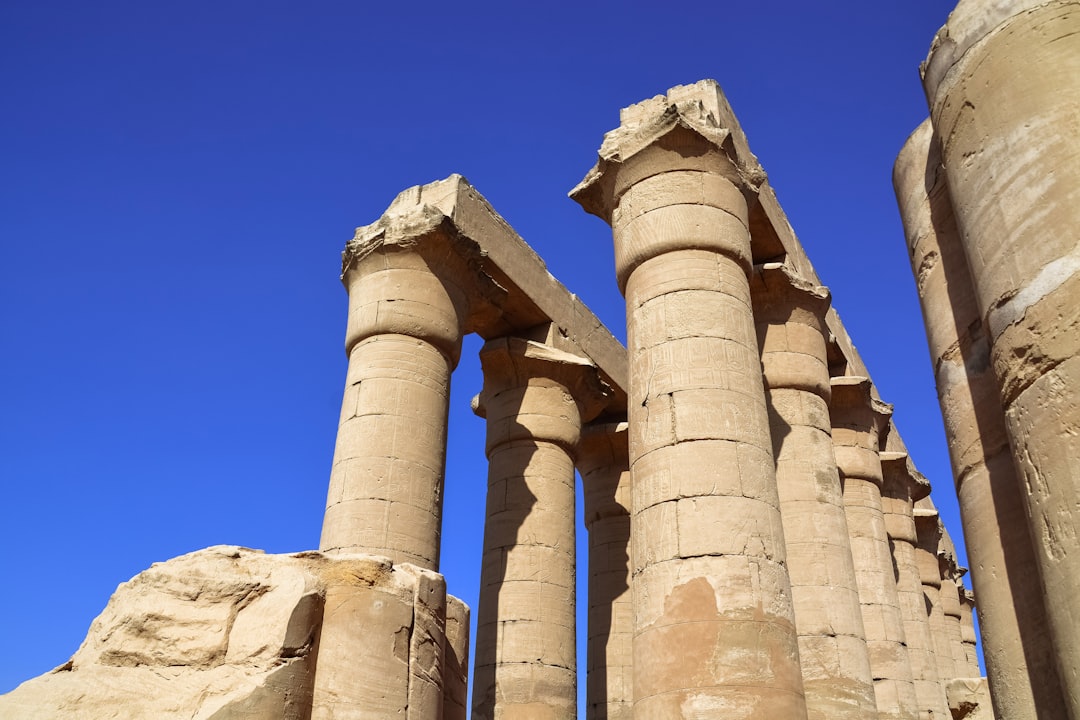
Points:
[(969, 699), (603, 460), (860, 423), (902, 486), (928, 527), (967, 632), (1020, 662), (790, 312), (673, 186), (438, 264), (231, 633), (1002, 80), (535, 399)]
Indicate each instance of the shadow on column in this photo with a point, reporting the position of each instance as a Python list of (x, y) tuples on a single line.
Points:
[(509, 503), (779, 429), (609, 539), (1005, 492)]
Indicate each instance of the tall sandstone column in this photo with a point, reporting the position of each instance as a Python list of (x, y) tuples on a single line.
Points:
[(950, 605), (790, 316), (408, 300), (967, 630), (713, 622), (603, 461), (860, 422), (1020, 664), (928, 528), (902, 486), (1003, 82), (407, 305), (534, 399)]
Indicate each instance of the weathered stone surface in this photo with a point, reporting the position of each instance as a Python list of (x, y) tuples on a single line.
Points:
[(901, 487), (1020, 661), (969, 699), (1001, 81), (603, 460), (790, 317), (860, 423), (229, 633), (535, 399), (438, 264), (713, 622)]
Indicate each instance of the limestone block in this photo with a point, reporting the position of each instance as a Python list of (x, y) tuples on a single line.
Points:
[(229, 633)]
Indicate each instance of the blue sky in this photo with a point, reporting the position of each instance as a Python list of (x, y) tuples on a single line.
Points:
[(178, 181)]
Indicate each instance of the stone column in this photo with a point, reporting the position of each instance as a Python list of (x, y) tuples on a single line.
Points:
[(455, 672), (901, 486), (967, 632), (859, 424), (713, 623), (1019, 655), (1002, 80), (950, 606), (407, 304), (790, 316), (381, 643), (928, 528), (603, 461), (534, 398)]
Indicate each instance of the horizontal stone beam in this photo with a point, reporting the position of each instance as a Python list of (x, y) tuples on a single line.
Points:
[(522, 297)]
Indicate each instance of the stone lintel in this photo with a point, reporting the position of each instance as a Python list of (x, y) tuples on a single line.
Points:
[(899, 472), (519, 292)]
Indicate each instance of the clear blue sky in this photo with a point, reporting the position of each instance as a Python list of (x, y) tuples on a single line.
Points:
[(178, 180)]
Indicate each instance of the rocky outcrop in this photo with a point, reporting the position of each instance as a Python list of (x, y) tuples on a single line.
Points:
[(225, 633)]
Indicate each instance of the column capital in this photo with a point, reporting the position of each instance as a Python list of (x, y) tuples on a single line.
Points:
[(899, 474), (603, 459), (676, 175), (413, 273), (603, 444), (789, 314), (782, 295), (929, 525), (677, 131), (860, 423), (854, 404), (534, 391)]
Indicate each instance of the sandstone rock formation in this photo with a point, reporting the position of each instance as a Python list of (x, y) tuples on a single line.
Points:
[(229, 633)]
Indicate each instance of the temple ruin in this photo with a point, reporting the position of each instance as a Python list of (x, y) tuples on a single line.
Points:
[(760, 543)]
